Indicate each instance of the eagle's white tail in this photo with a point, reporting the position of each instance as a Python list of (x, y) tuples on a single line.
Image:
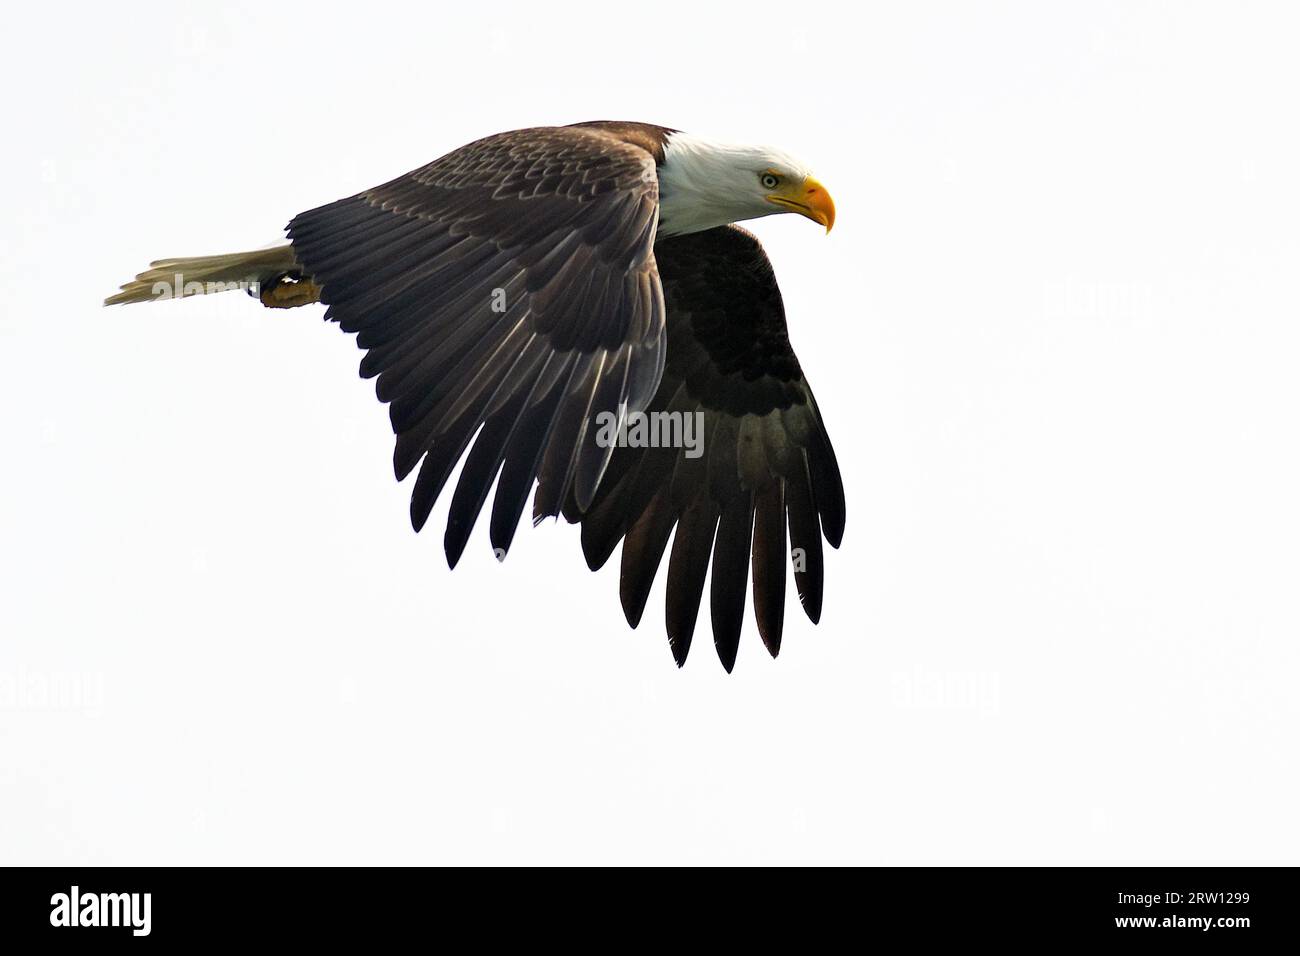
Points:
[(198, 275)]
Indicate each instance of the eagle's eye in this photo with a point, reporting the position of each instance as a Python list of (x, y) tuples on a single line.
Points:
[(769, 180)]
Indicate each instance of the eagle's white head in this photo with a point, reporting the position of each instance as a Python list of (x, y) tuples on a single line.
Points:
[(704, 183)]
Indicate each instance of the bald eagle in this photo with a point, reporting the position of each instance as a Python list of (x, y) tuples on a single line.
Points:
[(514, 291)]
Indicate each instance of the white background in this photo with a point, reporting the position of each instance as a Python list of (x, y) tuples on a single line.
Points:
[(1054, 335)]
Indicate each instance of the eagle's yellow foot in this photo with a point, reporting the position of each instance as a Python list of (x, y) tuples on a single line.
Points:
[(289, 291)]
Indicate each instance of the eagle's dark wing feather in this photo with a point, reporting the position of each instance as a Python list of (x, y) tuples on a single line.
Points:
[(766, 468), (507, 290)]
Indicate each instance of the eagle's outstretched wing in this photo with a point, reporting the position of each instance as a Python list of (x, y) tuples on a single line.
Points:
[(508, 288), (766, 463)]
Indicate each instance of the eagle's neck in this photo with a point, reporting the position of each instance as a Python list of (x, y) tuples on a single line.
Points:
[(697, 184)]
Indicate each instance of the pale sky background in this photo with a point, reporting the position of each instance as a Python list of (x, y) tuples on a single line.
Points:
[(1054, 335)]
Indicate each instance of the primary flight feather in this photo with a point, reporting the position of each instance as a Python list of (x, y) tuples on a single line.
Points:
[(518, 291)]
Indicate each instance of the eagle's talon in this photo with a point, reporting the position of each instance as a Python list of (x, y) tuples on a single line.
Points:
[(288, 292)]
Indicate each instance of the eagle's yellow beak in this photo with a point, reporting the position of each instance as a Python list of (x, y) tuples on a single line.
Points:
[(809, 199)]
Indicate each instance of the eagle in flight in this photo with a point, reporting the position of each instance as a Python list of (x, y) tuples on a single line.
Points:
[(514, 291)]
